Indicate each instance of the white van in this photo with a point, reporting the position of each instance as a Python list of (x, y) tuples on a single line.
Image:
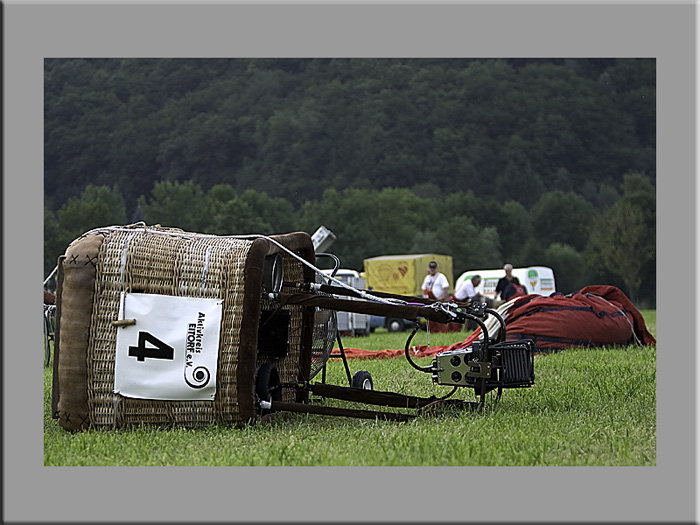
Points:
[(536, 279)]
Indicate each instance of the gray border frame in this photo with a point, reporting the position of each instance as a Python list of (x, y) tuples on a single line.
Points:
[(665, 493)]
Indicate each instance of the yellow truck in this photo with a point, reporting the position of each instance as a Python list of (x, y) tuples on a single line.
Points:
[(404, 274)]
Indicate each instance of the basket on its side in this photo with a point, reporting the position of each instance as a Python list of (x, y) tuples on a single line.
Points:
[(104, 350)]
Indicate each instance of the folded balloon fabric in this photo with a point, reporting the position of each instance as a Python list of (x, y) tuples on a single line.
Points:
[(594, 316)]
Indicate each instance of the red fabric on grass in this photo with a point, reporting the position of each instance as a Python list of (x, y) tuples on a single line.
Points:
[(596, 315)]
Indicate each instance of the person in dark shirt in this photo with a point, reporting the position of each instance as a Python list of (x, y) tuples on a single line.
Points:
[(504, 281), (514, 289)]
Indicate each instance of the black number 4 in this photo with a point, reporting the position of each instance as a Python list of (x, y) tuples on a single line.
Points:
[(159, 350)]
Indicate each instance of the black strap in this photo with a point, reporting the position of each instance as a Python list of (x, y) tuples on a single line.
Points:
[(336, 411), (371, 397)]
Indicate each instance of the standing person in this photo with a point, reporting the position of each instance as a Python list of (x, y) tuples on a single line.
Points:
[(514, 289), (435, 285), (504, 281)]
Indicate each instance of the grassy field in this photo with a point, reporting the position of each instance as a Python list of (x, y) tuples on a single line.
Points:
[(587, 407)]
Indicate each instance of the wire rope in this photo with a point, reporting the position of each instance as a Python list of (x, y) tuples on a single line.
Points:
[(318, 271)]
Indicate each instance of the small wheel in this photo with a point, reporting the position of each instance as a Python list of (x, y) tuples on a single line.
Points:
[(362, 379), (394, 325), (267, 384)]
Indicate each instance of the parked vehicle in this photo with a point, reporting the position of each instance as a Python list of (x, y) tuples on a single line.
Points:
[(536, 279), (351, 323)]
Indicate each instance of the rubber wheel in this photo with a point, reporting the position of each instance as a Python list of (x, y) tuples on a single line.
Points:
[(267, 384), (362, 379), (394, 325)]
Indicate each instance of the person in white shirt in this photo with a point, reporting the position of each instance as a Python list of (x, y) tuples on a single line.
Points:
[(435, 285), (467, 290)]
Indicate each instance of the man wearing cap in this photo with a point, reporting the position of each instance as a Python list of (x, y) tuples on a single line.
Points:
[(435, 285)]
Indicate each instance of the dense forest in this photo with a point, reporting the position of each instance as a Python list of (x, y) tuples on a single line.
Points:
[(529, 161)]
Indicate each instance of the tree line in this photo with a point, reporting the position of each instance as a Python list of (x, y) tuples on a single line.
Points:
[(512, 129), (583, 244)]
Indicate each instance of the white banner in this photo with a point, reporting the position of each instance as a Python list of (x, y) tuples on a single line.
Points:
[(172, 349)]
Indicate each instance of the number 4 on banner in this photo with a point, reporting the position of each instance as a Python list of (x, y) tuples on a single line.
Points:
[(159, 350)]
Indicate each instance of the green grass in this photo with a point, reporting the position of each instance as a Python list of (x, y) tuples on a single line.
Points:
[(587, 407)]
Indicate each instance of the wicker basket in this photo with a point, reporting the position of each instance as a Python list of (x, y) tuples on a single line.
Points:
[(102, 265)]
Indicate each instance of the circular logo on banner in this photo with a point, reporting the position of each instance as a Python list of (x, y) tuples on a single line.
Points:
[(199, 378)]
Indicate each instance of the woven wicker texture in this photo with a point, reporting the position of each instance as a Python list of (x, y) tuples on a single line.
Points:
[(170, 263)]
